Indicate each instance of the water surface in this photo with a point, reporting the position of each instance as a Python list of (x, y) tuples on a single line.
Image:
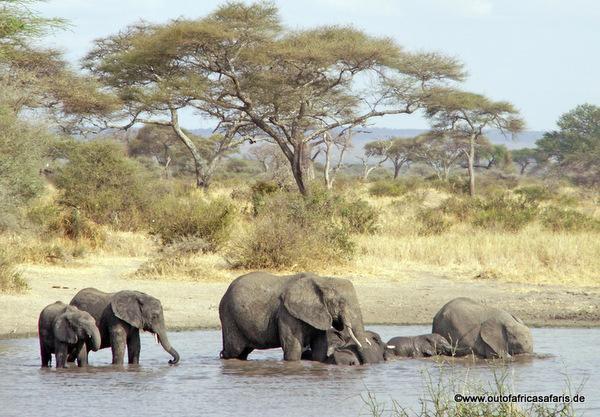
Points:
[(265, 386)]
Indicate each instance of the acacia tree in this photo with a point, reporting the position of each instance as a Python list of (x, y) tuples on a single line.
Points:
[(466, 115), (238, 65), (440, 151), (525, 157), (330, 143), (375, 155)]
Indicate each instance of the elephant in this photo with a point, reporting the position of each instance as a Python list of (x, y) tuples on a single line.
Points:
[(423, 345), (486, 332), (120, 316), (262, 311), (66, 331), (342, 352)]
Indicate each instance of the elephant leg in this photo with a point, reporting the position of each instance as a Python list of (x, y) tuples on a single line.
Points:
[(134, 346), (118, 340), (45, 355), (82, 356), (290, 342), (235, 345), (61, 353)]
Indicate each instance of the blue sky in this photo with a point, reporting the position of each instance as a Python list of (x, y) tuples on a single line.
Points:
[(541, 55)]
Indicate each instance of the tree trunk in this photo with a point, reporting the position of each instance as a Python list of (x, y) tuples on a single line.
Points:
[(397, 167), (328, 178), (298, 168), (471, 166), (191, 147)]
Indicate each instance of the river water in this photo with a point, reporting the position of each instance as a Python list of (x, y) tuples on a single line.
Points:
[(264, 386)]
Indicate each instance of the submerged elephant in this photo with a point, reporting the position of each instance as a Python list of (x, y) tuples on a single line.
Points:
[(423, 345), (263, 311), (487, 332), (343, 352), (120, 316), (66, 331)]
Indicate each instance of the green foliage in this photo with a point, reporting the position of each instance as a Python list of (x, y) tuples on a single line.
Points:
[(22, 149), (387, 189), (568, 220), (10, 279), (359, 216), (260, 191), (534, 193), (295, 232), (106, 186), (193, 217), (432, 222)]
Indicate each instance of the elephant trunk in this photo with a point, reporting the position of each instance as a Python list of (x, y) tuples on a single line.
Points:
[(95, 338), (164, 342)]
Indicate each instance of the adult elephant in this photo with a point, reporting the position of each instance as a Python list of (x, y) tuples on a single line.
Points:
[(262, 311), (66, 331), (120, 316), (487, 332)]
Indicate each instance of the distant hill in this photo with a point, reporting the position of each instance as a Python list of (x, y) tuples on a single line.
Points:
[(522, 140)]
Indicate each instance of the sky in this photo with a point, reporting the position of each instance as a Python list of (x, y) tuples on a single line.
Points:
[(541, 55)]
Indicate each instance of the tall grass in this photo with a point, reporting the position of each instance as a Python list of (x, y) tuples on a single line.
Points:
[(443, 396)]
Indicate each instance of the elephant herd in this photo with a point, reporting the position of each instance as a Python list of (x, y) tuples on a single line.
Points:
[(308, 316)]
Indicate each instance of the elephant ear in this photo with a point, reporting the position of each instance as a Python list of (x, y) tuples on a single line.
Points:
[(126, 306), (63, 330), (303, 299), (492, 333)]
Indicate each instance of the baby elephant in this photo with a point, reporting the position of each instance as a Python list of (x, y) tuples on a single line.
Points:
[(419, 346), (67, 332)]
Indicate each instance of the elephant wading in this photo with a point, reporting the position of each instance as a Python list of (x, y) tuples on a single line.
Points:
[(264, 311), (120, 316), (423, 345), (484, 331), (66, 331), (342, 352)]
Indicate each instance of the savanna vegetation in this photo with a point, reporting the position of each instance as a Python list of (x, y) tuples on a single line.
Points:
[(98, 161)]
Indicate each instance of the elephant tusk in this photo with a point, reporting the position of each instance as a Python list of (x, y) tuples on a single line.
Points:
[(391, 347), (156, 338), (354, 337), (368, 341)]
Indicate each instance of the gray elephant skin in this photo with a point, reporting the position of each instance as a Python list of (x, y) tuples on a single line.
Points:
[(423, 345), (343, 352), (120, 316), (66, 331), (263, 311), (486, 332)]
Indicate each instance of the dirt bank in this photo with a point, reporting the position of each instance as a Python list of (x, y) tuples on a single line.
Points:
[(413, 298)]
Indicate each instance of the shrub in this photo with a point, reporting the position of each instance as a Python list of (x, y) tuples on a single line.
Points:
[(260, 191), (104, 184), (432, 222), (359, 216), (195, 217), (568, 220), (387, 189), (504, 213), (22, 149), (10, 279), (295, 232), (534, 193)]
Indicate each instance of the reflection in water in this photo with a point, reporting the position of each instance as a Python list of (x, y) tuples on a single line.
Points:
[(265, 386)]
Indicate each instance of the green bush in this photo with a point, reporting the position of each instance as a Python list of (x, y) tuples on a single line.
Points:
[(22, 149), (534, 193), (504, 213), (388, 189), (359, 216), (260, 190), (432, 222), (295, 232), (176, 218), (106, 186), (10, 279), (568, 220)]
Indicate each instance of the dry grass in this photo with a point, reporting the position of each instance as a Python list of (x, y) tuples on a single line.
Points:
[(208, 267)]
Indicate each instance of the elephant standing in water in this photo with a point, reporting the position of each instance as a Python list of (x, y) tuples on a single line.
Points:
[(263, 311), (66, 331), (484, 331), (423, 345), (120, 316)]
